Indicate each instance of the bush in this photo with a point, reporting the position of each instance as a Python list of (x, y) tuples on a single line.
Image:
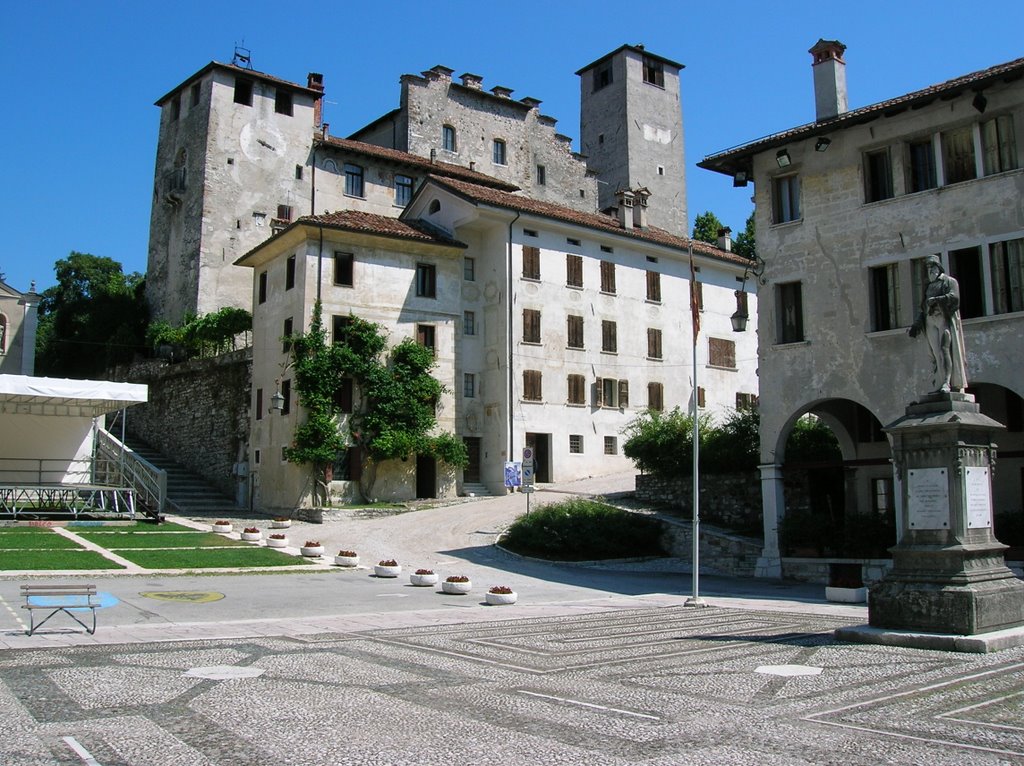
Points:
[(662, 443), (582, 530)]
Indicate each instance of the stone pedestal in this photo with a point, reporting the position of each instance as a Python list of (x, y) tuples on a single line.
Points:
[(948, 572)]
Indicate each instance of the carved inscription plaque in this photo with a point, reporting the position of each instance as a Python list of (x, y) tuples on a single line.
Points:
[(978, 498), (928, 498)]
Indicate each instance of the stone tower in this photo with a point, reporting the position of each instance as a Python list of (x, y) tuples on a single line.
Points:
[(232, 165), (631, 131)]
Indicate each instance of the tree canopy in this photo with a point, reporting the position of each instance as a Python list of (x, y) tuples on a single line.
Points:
[(706, 226), (94, 317), (745, 243)]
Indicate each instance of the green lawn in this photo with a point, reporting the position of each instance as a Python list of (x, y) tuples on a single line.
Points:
[(77, 558), (117, 541), (132, 526), (214, 558), (32, 537)]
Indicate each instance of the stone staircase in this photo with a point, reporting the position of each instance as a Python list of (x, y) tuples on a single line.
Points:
[(187, 493), (476, 490)]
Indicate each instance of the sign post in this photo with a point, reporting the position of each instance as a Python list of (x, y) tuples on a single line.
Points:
[(528, 475)]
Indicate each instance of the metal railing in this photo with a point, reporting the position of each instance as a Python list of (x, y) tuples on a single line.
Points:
[(117, 463)]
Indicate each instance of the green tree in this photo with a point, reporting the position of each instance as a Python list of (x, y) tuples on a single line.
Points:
[(706, 226), (94, 317), (745, 243)]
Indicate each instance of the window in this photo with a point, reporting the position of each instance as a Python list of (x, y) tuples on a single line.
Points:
[(175, 108), (722, 353), (289, 273), (425, 336), (574, 270), (286, 392), (283, 102), (656, 396), (603, 76), (1007, 263), (609, 336), (353, 180), (611, 445), (529, 232), (745, 401), (786, 199), (653, 343), (965, 266), (284, 212), (426, 280), (877, 175), (882, 495), (469, 385), (542, 175), (403, 190), (339, 328), (344, 268), (195, 95), (298, 172), (577, 389), (654, 286), (791, 319), (922, 165), (468, 323), (531, 326), (448, 138), (998, 146), (701, 397), (286, 335), (348, 464), (262, 290), (343, 396), (498, 152), (573, 241), (259, 404), (609, 392), (435, 206), (243, 91), (469, 269), (574, 331), (885, 297), (607, 277), (532, 385), (958, 155), (654, 72), (531, 262), (575, 444)]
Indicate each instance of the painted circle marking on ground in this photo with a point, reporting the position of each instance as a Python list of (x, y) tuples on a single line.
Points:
[(183, 596)]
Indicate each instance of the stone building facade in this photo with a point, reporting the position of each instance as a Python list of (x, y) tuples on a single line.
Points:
[(18, 322), (847, 209)]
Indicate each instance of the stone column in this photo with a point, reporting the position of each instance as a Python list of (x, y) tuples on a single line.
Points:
[(948, 572), (773, 505)]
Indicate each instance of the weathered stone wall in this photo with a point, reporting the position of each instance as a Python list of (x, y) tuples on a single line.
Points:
[(720, 551), (197, 413), (730, 500)]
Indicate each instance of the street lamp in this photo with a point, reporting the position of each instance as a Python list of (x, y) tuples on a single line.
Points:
[(740, 316)]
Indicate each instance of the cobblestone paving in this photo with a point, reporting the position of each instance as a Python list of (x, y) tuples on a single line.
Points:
[(650, 686)]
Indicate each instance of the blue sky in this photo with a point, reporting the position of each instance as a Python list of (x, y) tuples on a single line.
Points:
[(78, 133)]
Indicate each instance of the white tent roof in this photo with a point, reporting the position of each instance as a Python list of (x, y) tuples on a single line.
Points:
[(27, 395)]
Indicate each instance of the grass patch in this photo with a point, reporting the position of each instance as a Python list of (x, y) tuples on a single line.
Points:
[(117, 541), (33, 538), (135, 526), (56, 559), (214, 558), (584, 530)]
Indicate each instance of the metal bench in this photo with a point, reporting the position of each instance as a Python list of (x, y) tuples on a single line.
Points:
[(59, 598)]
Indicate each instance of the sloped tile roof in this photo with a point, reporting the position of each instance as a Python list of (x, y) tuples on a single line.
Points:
[(385, 226)]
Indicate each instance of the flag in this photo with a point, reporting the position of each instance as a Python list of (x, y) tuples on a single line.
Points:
[(694, 299)]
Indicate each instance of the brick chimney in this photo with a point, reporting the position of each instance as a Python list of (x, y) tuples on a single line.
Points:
[(640, 207), (315, 81), (829, 79), (625, 199)]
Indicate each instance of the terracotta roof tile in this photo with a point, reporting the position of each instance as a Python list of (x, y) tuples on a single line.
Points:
[(370, 223)]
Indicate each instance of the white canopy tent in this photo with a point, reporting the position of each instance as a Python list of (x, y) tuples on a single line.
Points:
[(26, 395)]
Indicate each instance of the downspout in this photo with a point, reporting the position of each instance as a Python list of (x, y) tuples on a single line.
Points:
[(509, 341), (320, 263)]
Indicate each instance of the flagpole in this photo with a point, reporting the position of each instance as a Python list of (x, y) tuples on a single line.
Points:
[(695, 600)]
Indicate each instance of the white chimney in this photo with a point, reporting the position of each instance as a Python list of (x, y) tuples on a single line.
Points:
[(625, 200), (640, 207), (829, 79), (725, 239)]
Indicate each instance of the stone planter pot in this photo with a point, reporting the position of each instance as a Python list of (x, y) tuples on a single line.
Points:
[(252, 537), (274, 542), (312, 550), (846, 595), (422, 580), (456, 588), (346, 561), (222, 529), (383, 571), (501, 599), (275, 524)]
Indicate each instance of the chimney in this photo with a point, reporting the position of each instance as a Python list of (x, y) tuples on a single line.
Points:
[(725, 239), (315, 81), (501, 91), (625, 211), (640, 207), (438, 72), (473, 81), (829, 79), (325, 129)]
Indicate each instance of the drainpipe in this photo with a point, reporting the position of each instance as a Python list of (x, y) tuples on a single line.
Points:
[(511, 386), (320, 263)]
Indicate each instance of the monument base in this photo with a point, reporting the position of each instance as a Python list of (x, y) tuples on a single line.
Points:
[(982, 643), (947, 607)]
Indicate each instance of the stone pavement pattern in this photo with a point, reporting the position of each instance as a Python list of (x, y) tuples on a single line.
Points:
[(653, 686)]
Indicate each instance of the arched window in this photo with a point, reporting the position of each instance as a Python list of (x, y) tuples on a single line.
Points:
[(435, 206), (448, 138)]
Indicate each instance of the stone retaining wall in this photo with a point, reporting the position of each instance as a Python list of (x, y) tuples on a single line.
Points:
[(730, 500), (721, 551)]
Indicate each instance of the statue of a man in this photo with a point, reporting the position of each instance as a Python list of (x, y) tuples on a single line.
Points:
[(940, 321)]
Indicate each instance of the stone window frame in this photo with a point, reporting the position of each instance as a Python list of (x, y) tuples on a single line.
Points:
[(355, 180), (449, 138), (499, 152)]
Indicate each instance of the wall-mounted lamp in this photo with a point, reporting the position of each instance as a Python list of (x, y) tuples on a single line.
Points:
[(277, 402), (756, 268), (782, 157), (740, 178), (979, 102), (822, 144)]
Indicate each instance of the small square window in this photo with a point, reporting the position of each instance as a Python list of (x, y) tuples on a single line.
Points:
[(529, 232), (654, 72), (283, 102), (611, 445), (575, 444), (243, 91), (573, 241), (722, 353)]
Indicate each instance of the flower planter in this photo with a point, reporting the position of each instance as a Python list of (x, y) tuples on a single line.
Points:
[(456, 588), (387, 571), (846, 595), (222, 529), (280, 523), (422, 580), (312, 550), (252, 537), (346, 561), (277, 542), (499, 599)]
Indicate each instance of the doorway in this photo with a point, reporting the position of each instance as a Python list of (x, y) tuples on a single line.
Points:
[(471, 473), (426, 477), (541, 445)]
